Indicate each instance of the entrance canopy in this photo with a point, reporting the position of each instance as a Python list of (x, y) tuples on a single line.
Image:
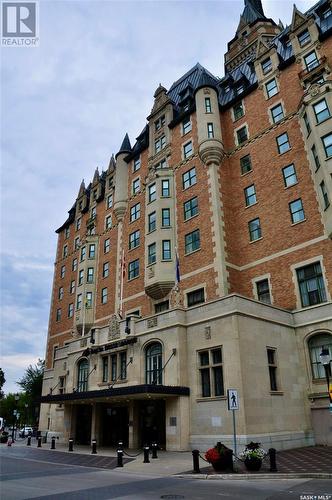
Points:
[(111, 392)]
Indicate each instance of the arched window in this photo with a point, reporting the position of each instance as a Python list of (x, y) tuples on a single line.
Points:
[(82, 376), (315, 345), (153, 364)]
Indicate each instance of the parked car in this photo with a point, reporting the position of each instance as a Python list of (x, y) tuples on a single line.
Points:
[(25, 431)]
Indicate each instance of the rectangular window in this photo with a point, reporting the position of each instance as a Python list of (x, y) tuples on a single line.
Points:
[(195, 297), (152, 254), (272, 364), (255, 232), (192, 242), (134, 239), (283, 143), (74, 265), (58, 314), (245, 164), (189, 178), (321, 110), (311, 61), (76, 243), (162, 306), (92, 251), (136, 186), (152, 192), (187, 150), (211, 373), (110, 201), (186, 126), (307, 123), (70, 310), (315, 157), (135, 212), (304, 38), (65, 251), (72, 286), (250, 195), (133, 269), (83, 253), (79, 301), (263, 291), (190, 208), (239, 88), (137, 164), (114, 367), (311, 284), (159, 144), (106, 269), (67, 232), (166, 250), (277, 113), (325, 195), (210, 131), (266, 65), (271, 88), (78, 223), (107, 245), (158, 124), (105, 369), (326, 13), (165, 192), (208, 105), (327, 143), (242, 135), (296, 210), (238, 111), (90, 275), (104, 295), (88, 300), (93, 213), (60, 293), (123, 365), (63, 271), (80, 276), (108, 222), (161, 164), (151, 222), (289, 175), (165, 217)]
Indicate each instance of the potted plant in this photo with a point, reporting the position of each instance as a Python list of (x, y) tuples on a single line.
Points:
[(220, 457), (253, 456)]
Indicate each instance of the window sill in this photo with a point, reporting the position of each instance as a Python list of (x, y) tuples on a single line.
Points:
[(152, 231), (285, 152), (166, 227), (134, 248), (291, 185), (239, 118), (276, 393), (211, 398), (190, 253), (190, 218), (185, 133), (185, 189), (251, 205), (323, 121), (166, 260), (254, 241), (132, 279), (299, 222), (246, 173), (134, 220)]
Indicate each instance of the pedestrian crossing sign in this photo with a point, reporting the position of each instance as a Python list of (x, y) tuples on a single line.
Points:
[(233, 400)]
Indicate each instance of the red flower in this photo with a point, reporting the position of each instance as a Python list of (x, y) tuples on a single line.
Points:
[(212, 455)]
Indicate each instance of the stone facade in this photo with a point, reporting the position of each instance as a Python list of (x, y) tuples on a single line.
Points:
[(230, 178)]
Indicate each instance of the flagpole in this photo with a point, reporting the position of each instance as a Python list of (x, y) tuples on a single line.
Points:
[(83, 326), (121, 287)]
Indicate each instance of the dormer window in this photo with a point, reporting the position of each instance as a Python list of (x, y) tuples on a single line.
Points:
[(326, 13), (158, 124), (227, 89), (137, 164), (304, 38), (266, 65), (240, 88), (95, 193)]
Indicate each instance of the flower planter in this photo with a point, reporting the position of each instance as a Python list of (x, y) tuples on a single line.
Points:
[(253, 464), (224, 463)]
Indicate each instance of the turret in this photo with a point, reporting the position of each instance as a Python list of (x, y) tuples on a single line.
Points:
[(121, 191)]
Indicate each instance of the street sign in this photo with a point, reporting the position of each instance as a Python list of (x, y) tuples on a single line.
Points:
[(232, 399)]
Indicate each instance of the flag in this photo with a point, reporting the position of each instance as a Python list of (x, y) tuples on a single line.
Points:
[(177, 267)]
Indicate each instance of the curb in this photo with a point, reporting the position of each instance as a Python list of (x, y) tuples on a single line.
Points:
[(282, 475)]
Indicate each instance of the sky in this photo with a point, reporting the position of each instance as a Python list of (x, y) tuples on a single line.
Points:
[(66, 106)]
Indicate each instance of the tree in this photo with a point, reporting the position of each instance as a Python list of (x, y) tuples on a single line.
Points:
[(2, 381), (32, 383)]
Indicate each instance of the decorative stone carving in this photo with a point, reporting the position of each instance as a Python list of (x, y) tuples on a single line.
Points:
[(152, 322), (207, 332), (151, 272), (207, 91), (114, 328), (176, 297), (84, 342), (314, 89)]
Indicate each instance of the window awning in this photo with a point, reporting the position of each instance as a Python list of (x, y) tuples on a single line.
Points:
[(133, 390)]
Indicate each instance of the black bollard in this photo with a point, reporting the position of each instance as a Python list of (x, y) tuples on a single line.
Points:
[(94, 447), (154, 447), (120, 458), (273, 460), (71, 445), (120, 445), (196, 468), (29, 441), (146, 455), (53, 443), (39, 441)]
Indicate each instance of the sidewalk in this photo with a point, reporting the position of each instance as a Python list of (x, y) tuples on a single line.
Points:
[(311, 462)]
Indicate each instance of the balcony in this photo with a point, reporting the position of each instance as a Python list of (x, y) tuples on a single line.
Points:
[(314, 68)]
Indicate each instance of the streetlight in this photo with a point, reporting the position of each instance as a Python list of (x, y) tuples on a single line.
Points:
[(325, 359), (15, 415)]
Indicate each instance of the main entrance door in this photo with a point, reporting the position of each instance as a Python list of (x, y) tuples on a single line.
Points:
[(115, 422), (152, 422), (83, 424)]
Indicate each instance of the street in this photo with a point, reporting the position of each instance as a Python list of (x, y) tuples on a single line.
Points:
[(25, 478)]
